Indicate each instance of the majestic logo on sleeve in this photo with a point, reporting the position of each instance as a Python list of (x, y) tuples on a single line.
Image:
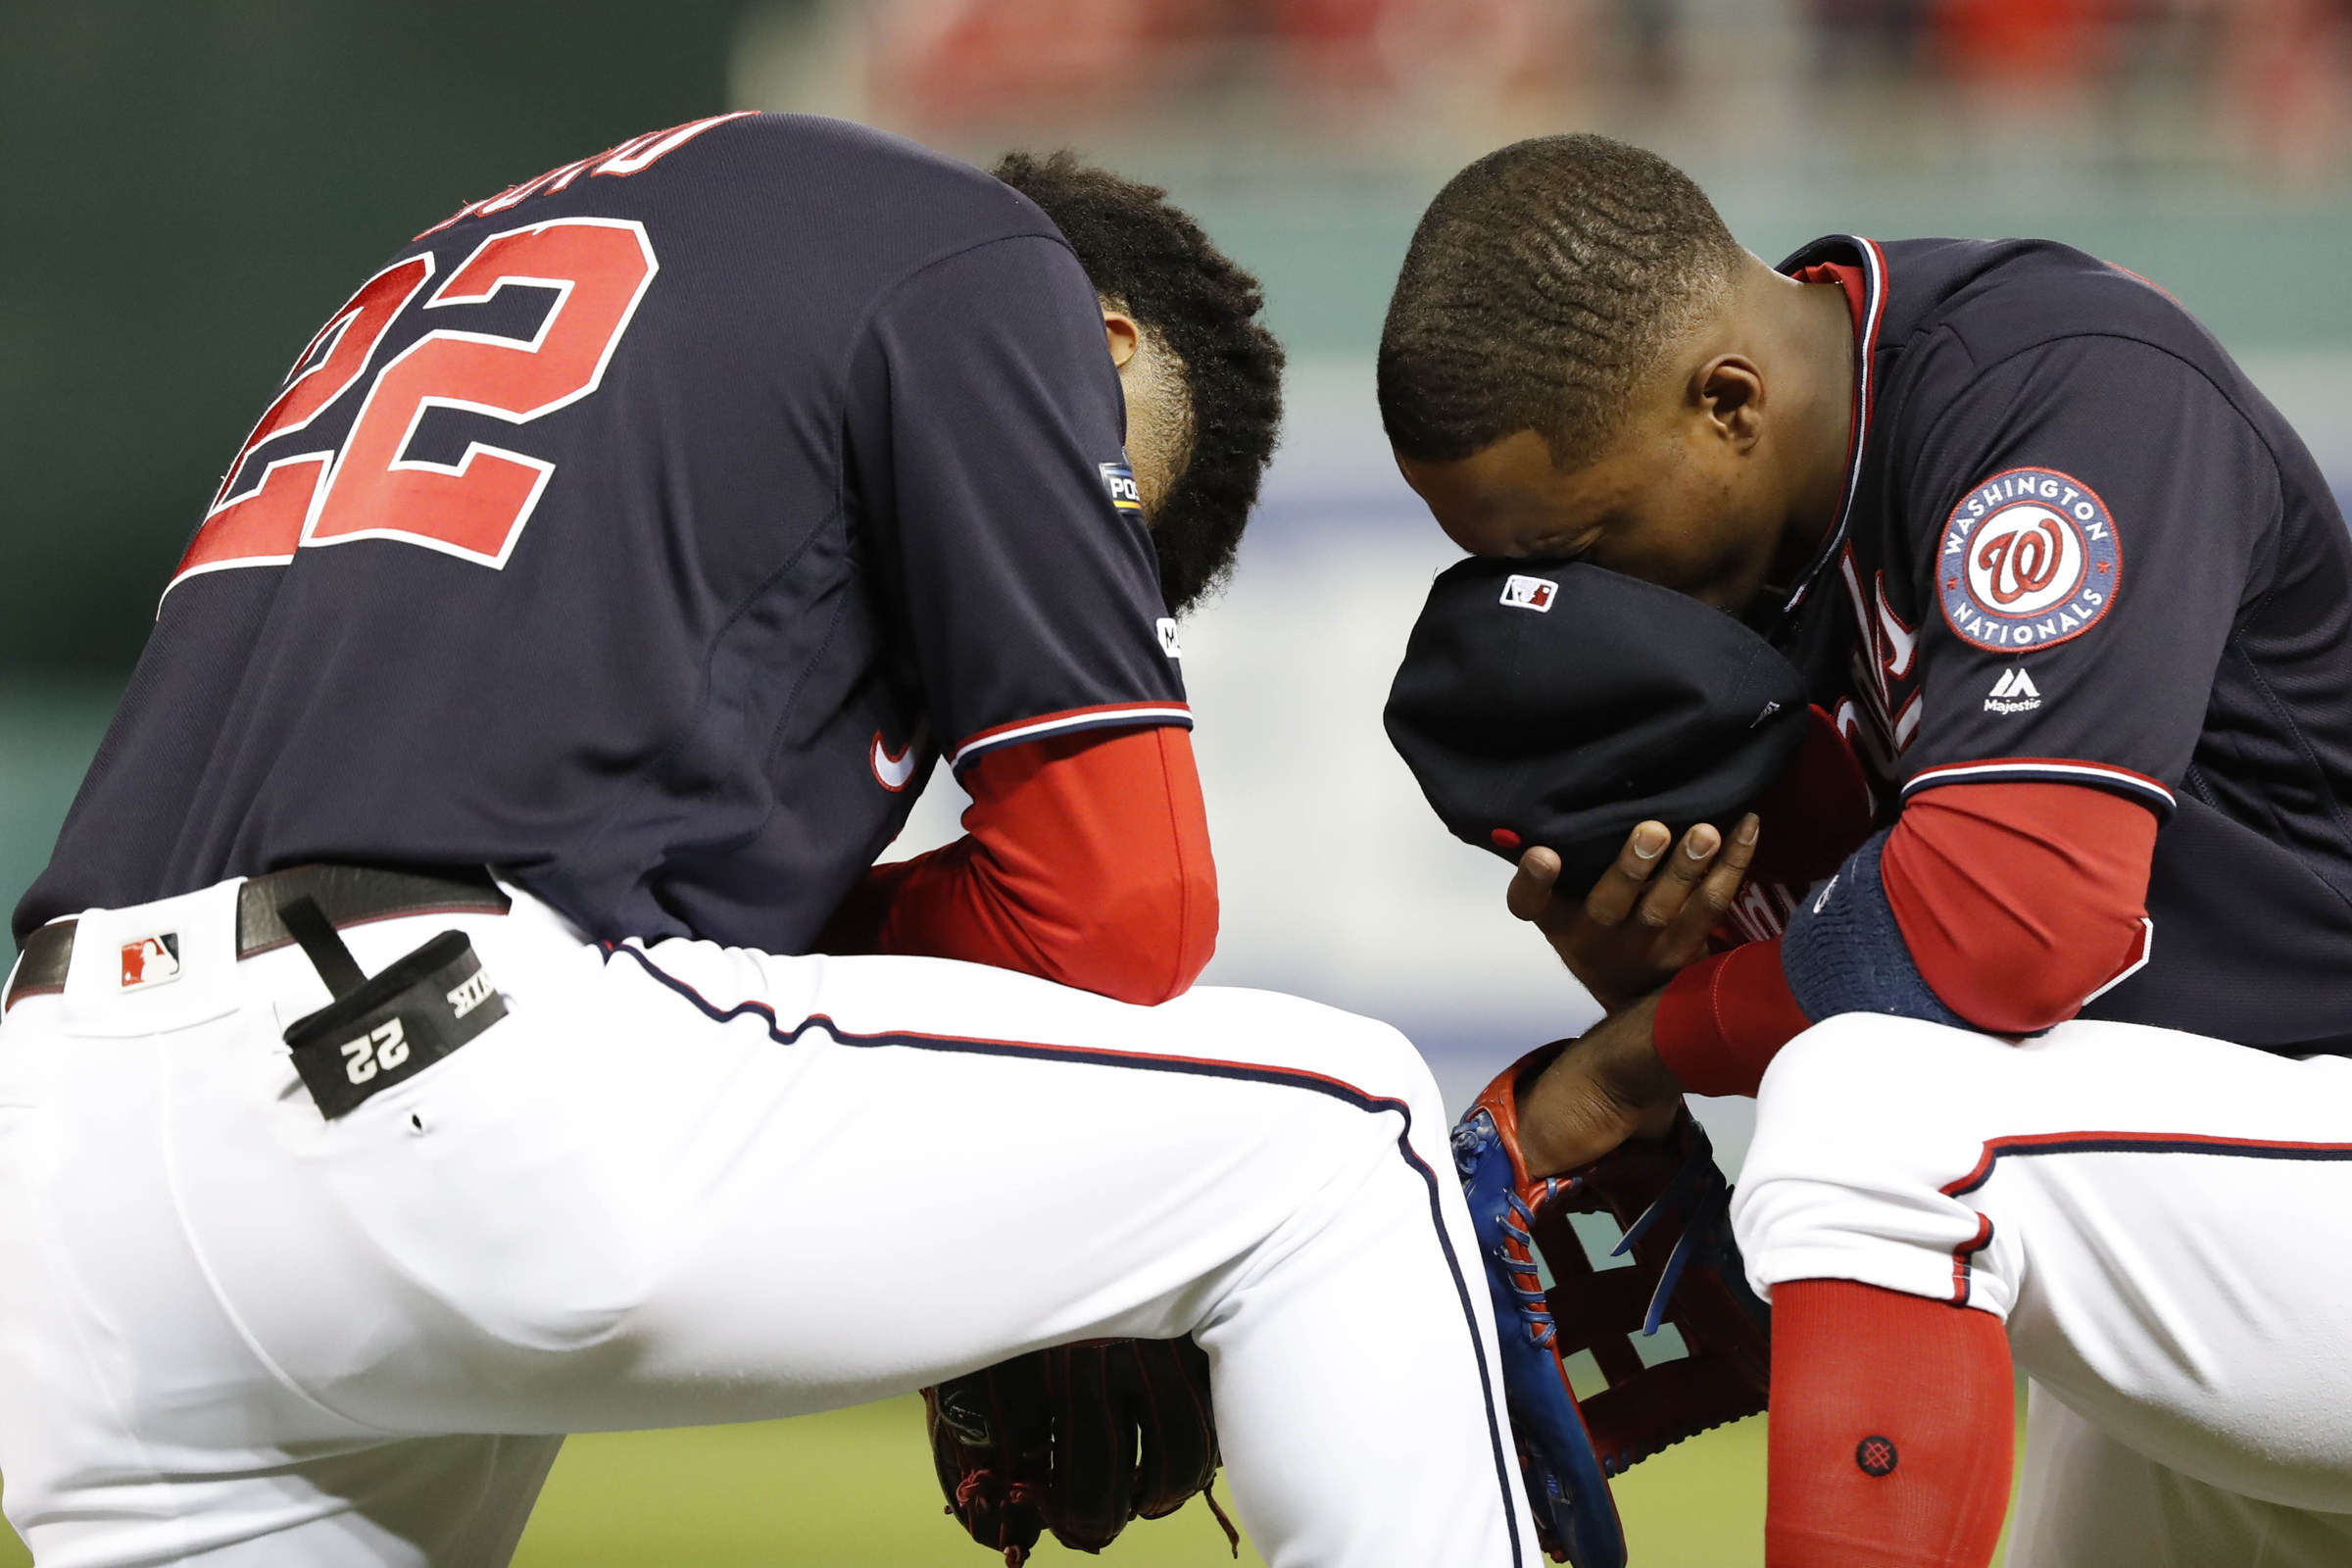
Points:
[(2014, 693), (2029, 558)]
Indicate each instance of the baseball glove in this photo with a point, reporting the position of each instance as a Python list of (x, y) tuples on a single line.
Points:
[(1673, 1207), (1077, 1440)]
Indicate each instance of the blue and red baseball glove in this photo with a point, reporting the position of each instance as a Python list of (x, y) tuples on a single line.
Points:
[(1672, 1206)]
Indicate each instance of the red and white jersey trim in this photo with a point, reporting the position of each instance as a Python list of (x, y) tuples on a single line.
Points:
[(2137, 959), (1104, 715), (2048, 771)]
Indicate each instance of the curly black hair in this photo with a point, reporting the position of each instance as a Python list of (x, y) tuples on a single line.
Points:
[(1151, 261), (1542, 284)]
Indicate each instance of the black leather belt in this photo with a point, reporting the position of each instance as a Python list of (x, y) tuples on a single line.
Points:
[(348, 895)]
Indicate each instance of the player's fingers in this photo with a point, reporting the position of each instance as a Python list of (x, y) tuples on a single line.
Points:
[(1530, 891), (1743, 852), (1713, 898), (1613, 897), (1671, 889)]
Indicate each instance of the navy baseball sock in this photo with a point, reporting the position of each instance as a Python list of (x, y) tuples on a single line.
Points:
[(1894, 1425)]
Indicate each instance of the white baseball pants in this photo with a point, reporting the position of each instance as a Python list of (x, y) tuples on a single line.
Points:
[(684, 1185), (2165, 1223)]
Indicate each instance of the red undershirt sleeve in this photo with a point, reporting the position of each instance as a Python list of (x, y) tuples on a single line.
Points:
[(2016, 901), (1721, 1020), (1085, 860)]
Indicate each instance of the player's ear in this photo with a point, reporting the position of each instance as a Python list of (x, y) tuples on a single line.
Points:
[(1125, 337), (1727, 393)]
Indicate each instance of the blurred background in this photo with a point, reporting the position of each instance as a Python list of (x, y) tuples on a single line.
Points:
[(190, 187)]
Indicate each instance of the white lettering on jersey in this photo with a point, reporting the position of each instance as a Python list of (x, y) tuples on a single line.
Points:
[(1884, 668)]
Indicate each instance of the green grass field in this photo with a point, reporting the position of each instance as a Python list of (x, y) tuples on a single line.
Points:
[(856, 1488), (853, 1489)]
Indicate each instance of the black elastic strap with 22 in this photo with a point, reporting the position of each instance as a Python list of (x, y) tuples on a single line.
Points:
[(382, 1031)]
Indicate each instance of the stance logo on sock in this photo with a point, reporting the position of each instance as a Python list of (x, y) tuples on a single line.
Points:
[(1875, 1456)]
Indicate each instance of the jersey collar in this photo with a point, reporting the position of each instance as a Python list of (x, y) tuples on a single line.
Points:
[(1847, 248)]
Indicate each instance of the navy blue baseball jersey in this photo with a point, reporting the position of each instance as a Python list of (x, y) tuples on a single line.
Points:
[(644, 531), (2079, 546)]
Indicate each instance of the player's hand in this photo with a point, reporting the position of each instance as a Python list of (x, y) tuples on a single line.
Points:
[(1648, 917), (1608, 1087)]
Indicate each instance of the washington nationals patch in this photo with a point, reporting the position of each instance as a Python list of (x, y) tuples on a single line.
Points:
[(2030, 558)]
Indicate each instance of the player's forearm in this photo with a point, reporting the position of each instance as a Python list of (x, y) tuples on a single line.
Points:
[(2011, 904), (1086, 862)]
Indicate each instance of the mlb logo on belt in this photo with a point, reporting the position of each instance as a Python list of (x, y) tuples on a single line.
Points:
[(151, 961), (1529, 593)]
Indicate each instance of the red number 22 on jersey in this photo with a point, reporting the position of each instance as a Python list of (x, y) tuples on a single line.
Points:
[(368, 487)]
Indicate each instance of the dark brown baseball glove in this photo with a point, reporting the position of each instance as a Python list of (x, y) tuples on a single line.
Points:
[(1077, 1440)]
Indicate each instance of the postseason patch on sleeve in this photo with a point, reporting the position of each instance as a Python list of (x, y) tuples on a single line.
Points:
[(1119, 479), (2029, 558)]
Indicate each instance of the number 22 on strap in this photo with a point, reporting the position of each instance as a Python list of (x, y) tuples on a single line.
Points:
[(474, 508)]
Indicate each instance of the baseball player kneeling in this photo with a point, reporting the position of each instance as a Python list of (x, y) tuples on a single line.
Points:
[(2040, 965), (423, 1046)]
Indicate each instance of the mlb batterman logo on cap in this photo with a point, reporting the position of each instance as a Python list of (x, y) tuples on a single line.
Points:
[(1621, 701), (1522, 592)]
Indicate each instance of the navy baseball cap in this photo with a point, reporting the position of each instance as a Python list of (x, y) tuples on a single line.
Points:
[(1562, 704)]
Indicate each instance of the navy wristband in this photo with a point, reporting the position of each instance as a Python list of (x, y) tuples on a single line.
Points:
[(1844, 953)]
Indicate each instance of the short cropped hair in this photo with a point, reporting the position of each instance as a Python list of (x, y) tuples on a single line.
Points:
[(1150, 260), (1541, 287)]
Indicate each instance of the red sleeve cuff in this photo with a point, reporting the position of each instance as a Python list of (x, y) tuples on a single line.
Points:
[(1721, 1022), (1085, 861)]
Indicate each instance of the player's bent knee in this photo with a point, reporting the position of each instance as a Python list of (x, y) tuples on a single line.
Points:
[(1845, 1068), (1861, 1124), (1867, 1091), (1383, 1064), (1286, 1031), (1394, 1065)]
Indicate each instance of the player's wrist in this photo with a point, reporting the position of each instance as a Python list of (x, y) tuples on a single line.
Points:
[(1609, 1086), (1605, 986)]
